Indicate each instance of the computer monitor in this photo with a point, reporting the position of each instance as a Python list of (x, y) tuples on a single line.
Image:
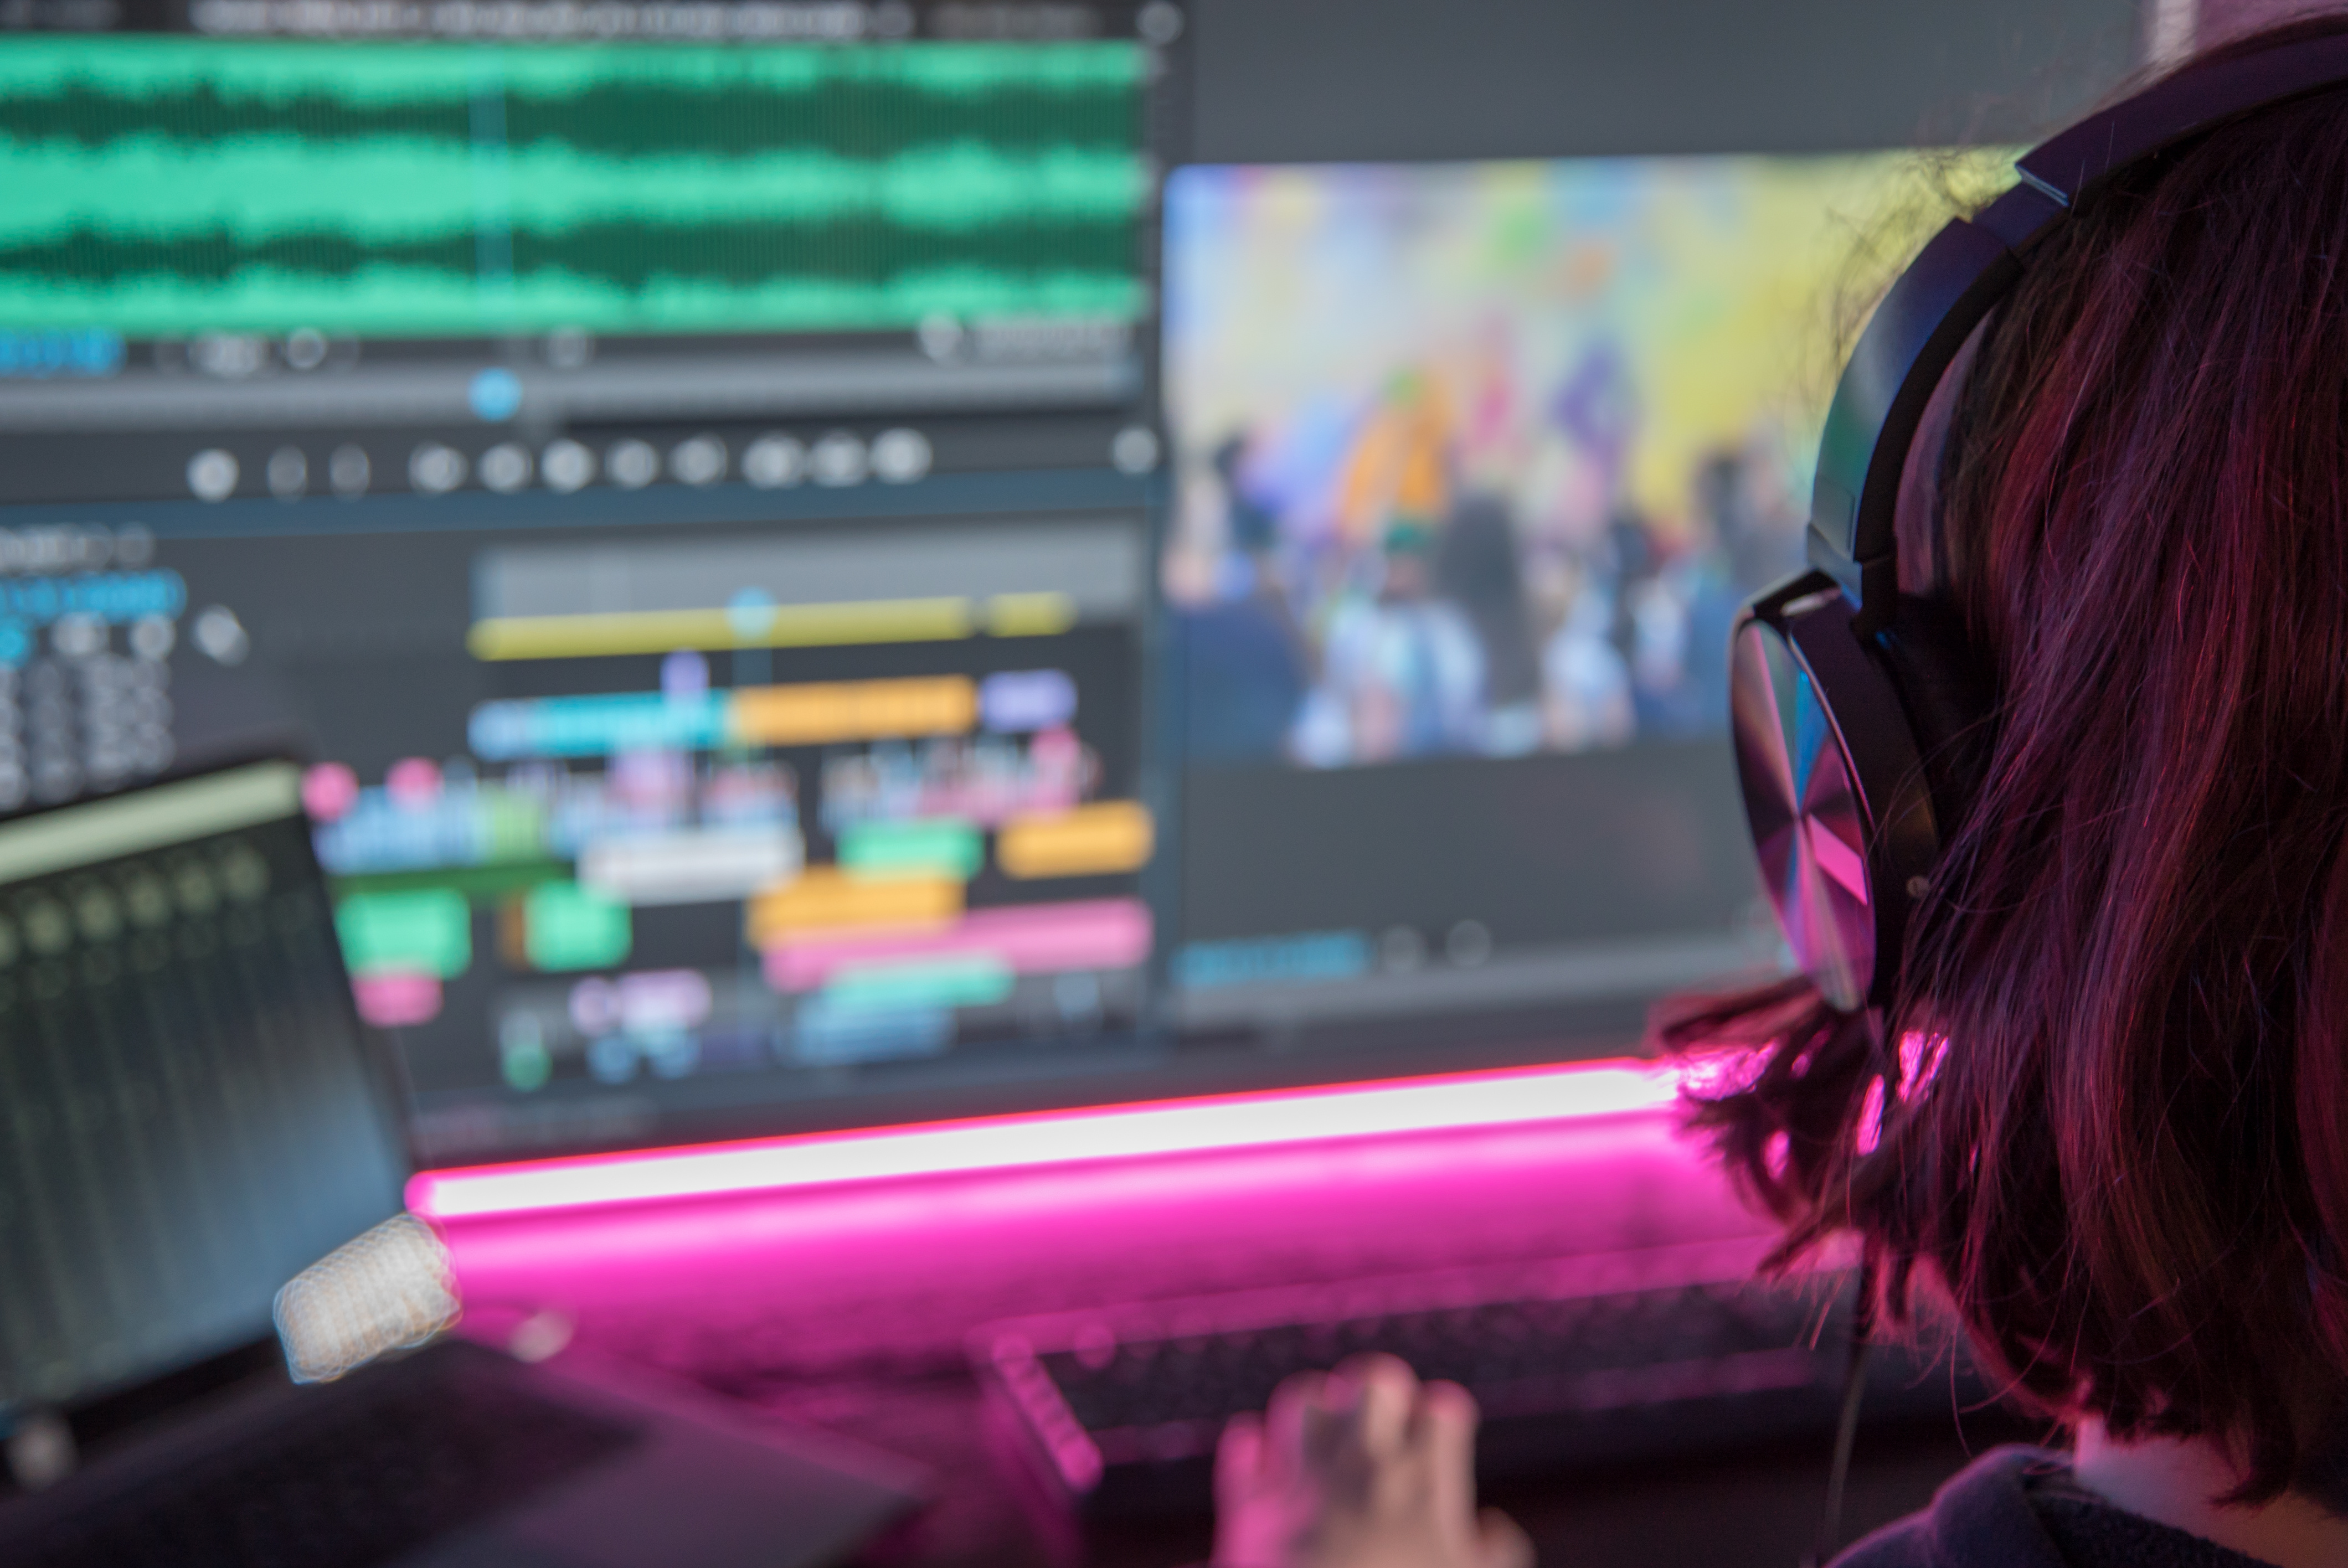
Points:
[(1474, 464), (682, 472), (692, 477)]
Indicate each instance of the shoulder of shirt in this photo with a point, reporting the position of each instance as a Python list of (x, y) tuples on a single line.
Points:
[(1980, 1517)]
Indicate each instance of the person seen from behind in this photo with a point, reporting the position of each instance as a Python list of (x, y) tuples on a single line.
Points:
[(2112, 1134)]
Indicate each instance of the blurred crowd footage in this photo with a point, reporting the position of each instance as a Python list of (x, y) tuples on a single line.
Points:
[(1481, 460)]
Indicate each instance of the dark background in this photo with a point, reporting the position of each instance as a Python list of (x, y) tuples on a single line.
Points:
[(1367, 80)]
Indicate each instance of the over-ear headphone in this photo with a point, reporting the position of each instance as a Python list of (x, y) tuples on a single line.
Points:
[(1858, 715)]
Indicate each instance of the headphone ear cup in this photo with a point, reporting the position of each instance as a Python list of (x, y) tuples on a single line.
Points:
[(1950, 701), (1842, 818)]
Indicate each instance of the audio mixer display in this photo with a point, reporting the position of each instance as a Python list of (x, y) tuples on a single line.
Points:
[(171, 187)]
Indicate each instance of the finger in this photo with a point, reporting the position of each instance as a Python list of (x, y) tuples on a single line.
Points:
[(1442, 1427), (1386, 1399), (1326, 1424), (1501, 1542), (1238, 1457), (1292, 1417), (1445, 1413)]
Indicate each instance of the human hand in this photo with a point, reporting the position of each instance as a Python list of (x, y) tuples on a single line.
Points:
[(1364, 1467)]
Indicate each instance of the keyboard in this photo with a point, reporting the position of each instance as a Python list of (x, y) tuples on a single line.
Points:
[(1582, 1362), (401, 1455)]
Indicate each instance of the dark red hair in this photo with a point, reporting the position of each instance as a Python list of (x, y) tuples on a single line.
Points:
[(2108, 1110)]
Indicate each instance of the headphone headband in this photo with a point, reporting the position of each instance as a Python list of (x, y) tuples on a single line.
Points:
[(1959, 278), (1862, 723)]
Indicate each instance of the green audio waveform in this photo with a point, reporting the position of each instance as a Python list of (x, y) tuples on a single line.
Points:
[(269, 186), (614, 97), (389, 299), (169, 185)]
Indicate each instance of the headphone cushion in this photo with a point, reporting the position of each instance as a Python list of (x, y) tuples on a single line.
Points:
[(1950, 701)]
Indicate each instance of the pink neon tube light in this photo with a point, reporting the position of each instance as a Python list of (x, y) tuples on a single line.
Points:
[(1461, 1100)]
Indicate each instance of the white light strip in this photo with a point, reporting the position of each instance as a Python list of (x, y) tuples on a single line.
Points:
[(1053, 1138)]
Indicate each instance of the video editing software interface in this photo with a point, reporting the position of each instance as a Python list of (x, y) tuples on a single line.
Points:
[(827, 577)]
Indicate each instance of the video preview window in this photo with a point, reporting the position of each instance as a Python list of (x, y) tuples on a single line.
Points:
[(1480, 460)]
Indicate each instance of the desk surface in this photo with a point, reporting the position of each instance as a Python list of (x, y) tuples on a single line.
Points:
[(848, 1310)]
